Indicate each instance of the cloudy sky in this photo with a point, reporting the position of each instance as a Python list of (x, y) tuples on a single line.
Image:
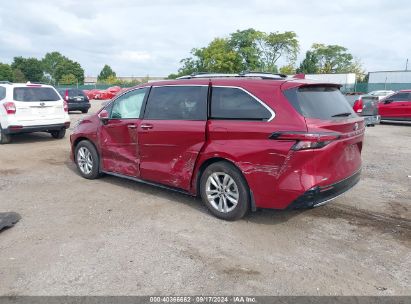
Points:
[(150, 37)]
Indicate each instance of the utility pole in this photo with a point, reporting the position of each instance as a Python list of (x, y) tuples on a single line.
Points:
[(406, 65)]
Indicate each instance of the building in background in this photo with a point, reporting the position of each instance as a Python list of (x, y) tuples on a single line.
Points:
[(389, 77)]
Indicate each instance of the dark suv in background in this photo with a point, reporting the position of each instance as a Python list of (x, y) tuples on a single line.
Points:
[(76, 99)]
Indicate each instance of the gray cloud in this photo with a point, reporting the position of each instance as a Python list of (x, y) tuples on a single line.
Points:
[(151, 37)]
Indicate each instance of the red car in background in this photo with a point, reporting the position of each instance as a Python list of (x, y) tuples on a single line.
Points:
[(241, 142), (396, 107)]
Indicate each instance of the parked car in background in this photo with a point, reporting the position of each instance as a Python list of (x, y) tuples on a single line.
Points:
[(240, 142), (26, 108), (367, 106), (76, 99), (353, 96), (396, 107)]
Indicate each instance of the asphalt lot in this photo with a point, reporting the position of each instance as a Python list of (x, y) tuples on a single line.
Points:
[(116, 237)]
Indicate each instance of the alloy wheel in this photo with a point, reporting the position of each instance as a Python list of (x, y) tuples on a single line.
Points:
[(222, 192)]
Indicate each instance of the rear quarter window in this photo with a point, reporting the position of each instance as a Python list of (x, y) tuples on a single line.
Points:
[(236, 104), (35, 94), (321, 102)]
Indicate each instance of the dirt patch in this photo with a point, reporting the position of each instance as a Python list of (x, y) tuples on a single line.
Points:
[(397, 227), (240, 271), (6, 172)]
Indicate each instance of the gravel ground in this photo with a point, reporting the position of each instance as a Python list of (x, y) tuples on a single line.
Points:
[(116, 237)]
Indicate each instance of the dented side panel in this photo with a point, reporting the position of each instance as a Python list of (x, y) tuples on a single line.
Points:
[(119, 146), (169, 151)]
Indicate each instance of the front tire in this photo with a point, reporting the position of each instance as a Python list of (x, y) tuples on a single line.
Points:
[(4, 138), (87, 160), (58, 134), (225, 191), (84, 111)]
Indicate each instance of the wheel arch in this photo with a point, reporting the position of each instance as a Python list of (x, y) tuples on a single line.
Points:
[(215, 159), (80, 139)]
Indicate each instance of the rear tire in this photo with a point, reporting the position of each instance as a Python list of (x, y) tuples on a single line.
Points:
[(87, 160), (224, 191), (4, 138), (58, 134)]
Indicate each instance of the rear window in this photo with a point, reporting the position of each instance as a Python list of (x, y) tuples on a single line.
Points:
[(75, 93), (35, 94), (322, 102)]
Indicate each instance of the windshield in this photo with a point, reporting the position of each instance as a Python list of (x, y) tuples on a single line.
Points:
[(322, 102), (35, 94)]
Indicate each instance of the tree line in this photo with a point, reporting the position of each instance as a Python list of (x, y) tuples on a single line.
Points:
[(252, 50), (53, 68), (56, 69)]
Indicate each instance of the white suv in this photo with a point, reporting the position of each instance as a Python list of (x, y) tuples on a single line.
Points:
[(31, 107)]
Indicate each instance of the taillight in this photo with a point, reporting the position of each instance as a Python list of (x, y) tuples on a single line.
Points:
[(358, 106), (65, 106), (306, 141), (66, 97), (10, 107)]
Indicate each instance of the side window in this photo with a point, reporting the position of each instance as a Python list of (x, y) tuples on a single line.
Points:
[(399, 97), (128, 105), (234, 103), (177, 103), (2, 93)]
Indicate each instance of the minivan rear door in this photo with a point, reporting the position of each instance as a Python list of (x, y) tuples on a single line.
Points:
[(172, 133), (37, 103)]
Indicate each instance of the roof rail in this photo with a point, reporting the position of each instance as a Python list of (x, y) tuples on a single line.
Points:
[(261, 75), (264, 75), (5, 82)]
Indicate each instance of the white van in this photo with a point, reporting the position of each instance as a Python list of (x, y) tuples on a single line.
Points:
[(26, 108)]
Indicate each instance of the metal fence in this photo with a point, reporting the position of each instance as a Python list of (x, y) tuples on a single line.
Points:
[(368, 87)]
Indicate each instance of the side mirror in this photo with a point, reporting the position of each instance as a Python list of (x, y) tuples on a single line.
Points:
[(388, 101), (103, 116)]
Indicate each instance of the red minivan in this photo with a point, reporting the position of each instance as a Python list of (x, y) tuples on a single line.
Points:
[(241, 142)]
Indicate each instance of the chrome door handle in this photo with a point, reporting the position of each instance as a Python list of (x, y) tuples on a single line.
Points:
[(146, 126), (131, 126)]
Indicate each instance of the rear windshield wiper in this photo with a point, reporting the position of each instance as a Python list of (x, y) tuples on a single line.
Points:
[(342, 114)]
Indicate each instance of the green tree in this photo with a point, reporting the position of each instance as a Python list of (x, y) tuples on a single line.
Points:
[(105, 73), (50, 63), (6, 73), (69, 67), (245, 44), (333, 59), (18, 76), (247, 50), (68, 79), (310, 64), (32, 68), (288, 69), (276, 45)]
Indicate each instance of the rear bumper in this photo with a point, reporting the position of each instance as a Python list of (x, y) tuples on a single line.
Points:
[(318, 196), (78, 106), (372, 120), (42, 128)]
